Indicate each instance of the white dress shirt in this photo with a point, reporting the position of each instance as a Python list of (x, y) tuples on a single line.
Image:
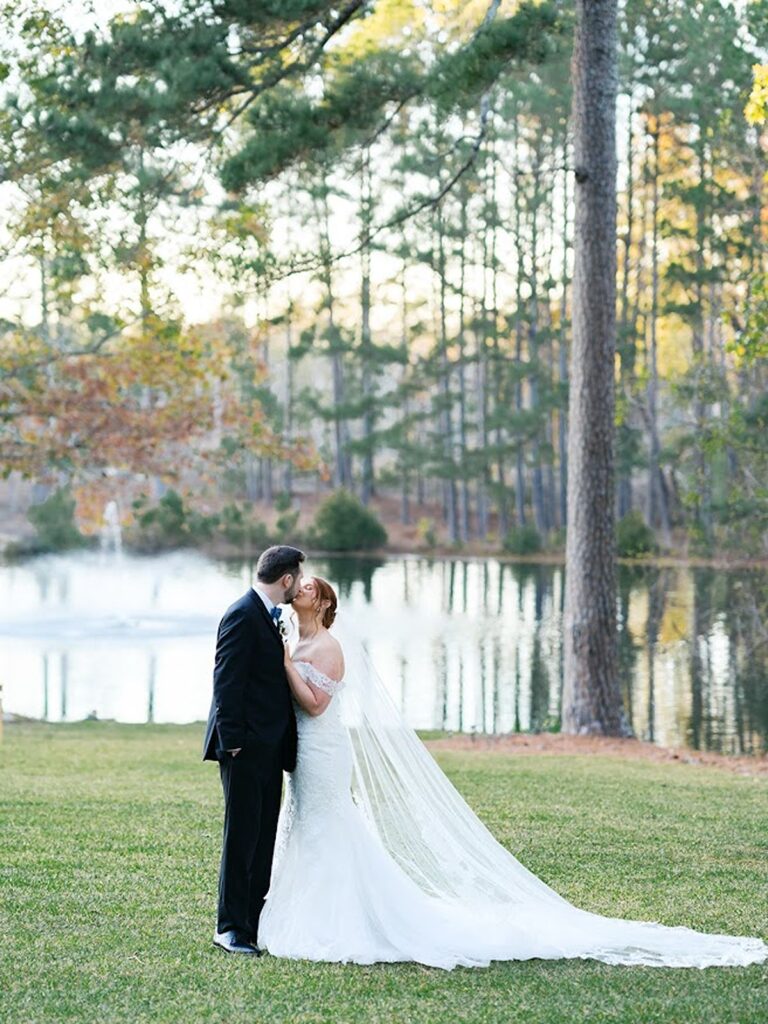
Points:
[(269, 604)]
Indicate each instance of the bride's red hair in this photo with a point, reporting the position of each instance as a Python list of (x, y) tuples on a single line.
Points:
[(325, 592)]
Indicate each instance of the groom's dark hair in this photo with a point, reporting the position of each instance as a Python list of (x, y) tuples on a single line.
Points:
[(277, 561)]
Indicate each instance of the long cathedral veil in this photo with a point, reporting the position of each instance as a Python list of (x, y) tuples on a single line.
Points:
[(441, 844), (419, 816)]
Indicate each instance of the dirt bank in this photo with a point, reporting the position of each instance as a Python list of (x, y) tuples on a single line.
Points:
[(635, 750)]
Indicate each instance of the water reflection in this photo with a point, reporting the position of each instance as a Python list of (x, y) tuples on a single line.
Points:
[(463, 645)]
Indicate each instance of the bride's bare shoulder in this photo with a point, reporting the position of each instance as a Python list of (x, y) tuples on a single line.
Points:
[(328, 657)]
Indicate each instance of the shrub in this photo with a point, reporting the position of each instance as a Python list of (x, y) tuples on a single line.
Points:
[(343, 523), (425, 530), (54, 522), (633, 536), (171, 524), (285, 525), (238, 527), (232, 524), (200, 526), (523, 540)]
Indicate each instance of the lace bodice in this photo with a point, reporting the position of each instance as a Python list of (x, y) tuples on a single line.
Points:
[(318, 789), (318, 679)]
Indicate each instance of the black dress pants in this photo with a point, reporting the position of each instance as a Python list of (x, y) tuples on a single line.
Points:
[(252, 783)]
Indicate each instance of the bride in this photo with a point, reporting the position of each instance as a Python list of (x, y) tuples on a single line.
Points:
[(379, 859)]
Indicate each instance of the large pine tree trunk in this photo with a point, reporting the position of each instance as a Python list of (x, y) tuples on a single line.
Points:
[(591, 696)]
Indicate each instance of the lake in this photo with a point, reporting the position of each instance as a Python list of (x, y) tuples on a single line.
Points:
[(463, 645)]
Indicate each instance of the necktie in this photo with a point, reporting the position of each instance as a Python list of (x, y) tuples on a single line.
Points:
[(276, 612)]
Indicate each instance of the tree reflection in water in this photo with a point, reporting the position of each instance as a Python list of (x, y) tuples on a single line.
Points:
[(463, 644)]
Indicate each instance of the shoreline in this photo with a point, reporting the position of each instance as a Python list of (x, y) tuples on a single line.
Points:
[(229, 553)]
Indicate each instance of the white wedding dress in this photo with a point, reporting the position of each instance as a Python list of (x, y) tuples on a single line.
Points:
[(378, 858)]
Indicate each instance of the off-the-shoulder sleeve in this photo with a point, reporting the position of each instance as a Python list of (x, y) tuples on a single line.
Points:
[(319, 679)]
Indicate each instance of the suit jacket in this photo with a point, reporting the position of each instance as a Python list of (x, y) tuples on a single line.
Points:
[(252, 706)]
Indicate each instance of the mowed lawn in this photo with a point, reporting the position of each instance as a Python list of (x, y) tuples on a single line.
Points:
[(109, 844)]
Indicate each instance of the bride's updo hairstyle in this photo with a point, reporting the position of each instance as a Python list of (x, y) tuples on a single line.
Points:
[(325, 592)]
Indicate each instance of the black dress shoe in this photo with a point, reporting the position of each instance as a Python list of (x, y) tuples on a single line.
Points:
[(234, 942)]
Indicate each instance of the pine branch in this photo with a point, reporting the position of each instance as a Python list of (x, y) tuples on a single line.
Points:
[(298, 67)]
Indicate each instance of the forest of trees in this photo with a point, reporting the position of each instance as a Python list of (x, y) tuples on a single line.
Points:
[(382, 196)]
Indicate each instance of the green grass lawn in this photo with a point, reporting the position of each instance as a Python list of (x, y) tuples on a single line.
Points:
[(109, 845)]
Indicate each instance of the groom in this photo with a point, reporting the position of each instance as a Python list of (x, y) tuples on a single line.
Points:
[(252, 734)]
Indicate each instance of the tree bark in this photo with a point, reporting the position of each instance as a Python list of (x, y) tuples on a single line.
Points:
[(591, 696)]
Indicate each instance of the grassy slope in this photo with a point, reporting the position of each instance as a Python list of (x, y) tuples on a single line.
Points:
[(109, 842)]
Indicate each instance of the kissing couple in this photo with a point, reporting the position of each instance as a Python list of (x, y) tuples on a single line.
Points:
[(372, 855)]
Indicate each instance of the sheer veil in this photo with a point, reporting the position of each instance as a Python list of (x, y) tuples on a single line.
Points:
[(435, 837), (409, 802)]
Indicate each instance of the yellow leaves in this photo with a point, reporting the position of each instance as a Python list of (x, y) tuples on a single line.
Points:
[(392, 22), (756, 110), (463, 19), (244, 224), (400, 23), (674, 346)]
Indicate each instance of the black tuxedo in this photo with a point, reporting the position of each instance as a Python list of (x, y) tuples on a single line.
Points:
[(251, 709)]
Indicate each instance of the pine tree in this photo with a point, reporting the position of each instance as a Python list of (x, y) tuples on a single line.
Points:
[(591, 695)]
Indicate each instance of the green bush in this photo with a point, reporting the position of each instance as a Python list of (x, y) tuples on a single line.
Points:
[(523, 540), (232, 524), (425, 530), (633, 536), (285, 525), (171, 524), (238, 527), (54, 523), (343, 523)]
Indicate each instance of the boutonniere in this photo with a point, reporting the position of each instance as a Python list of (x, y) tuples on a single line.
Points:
[(283, 630)]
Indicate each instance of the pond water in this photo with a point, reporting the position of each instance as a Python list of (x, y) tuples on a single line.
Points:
[(463, 645)]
